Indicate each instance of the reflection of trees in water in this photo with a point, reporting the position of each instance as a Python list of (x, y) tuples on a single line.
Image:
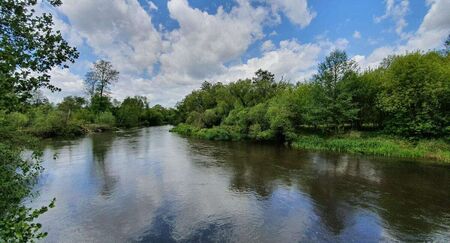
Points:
[(417, 200), (251, 166), (162, 230), (101, 145), (412, 200)]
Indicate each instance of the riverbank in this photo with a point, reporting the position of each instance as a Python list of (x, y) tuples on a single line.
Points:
[(352, 142)]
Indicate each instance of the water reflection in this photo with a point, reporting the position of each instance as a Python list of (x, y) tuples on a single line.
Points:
[(101, 144), (148, 185), (411, 199)]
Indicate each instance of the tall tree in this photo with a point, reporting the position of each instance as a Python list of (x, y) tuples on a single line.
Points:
[(101, 77), (29, 49), (335, 104)]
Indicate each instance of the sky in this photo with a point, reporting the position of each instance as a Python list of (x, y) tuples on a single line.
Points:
[(165, 49)]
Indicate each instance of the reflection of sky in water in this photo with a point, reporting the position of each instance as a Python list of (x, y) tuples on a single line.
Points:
[(151, 185)]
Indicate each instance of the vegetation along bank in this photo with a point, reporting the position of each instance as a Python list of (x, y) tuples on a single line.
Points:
[(400, 109)]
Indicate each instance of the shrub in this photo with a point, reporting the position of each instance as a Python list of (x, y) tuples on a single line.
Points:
[(105, 118), (17, 120)]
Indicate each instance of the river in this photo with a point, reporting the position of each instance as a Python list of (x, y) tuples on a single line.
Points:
[(150, 185)]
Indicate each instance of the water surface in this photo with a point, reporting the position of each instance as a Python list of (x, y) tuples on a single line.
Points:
[(149, 185)]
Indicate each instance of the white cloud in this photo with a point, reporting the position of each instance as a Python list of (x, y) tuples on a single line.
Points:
[(292, 61), (297, 11), (152, 6), (434, 29), (118, 30), (69, 83), (357, 35), (267, 46), (204, 42), (397, 10), (431, 34)]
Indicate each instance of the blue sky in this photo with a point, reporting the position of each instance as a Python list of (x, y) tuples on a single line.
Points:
[(164, 49)]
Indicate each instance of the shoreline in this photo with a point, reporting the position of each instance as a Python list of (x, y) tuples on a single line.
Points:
[(360, 143)]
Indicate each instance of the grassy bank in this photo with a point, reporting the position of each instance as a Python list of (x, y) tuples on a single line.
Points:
[(353, 142), (436, 150)]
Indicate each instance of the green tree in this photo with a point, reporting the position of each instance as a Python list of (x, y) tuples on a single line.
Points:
[(415, 95), (100, 103), (334, 102), (131, 110), (29, 49)]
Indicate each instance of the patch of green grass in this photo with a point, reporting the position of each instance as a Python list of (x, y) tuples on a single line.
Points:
[(376, 145)]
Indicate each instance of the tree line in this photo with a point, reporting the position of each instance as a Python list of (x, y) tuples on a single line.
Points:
[(406, 95)]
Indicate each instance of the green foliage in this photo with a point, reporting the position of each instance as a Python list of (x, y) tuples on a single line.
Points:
[(29, 48), (17, 120), (376, 145), (71, 104), (407, 95), (131, 111), (416, 95), (214, 133), (49, 122), (105, 118), (100, 104), (17, 177), (334, 102)]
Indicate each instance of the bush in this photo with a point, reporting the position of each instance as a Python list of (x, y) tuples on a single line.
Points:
[(105, 118), (17, 120)]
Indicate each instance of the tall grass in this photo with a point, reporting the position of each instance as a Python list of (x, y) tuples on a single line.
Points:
[(377, 145)]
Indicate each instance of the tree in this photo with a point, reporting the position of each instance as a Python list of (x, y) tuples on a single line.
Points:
[(131, 111), (415, 95), (264, 86), (29, 49), (334, 102), (71, 104), (101, 76)]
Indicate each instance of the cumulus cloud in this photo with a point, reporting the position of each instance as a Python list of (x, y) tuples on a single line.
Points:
[(204, 42), (431, 34), (118, 30), (267, 46), (434, 29), (356, 35), (292, 61), (397, 10), (297, 11), (69, 83)]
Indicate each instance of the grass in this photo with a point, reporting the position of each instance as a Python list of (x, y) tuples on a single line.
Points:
[(437, 150), (352, 142)]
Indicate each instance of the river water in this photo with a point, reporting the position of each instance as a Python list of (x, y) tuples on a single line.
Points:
[(150, 185)]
